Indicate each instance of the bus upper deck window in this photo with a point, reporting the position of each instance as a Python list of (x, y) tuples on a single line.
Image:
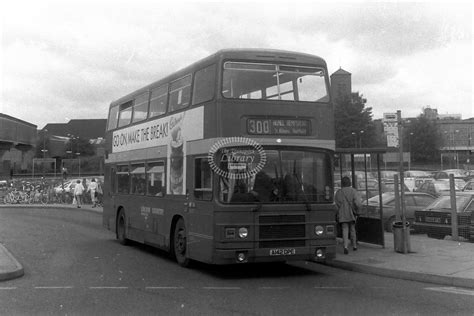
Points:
[(158, 100), (113, 118), (204, 83), (180, 93), (274, 82), (140, 107), (125, 114)]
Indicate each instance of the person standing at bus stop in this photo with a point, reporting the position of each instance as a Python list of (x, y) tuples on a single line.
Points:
[(348, 203)]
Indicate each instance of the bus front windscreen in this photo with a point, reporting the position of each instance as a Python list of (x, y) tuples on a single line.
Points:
[(288, 176), (259, 81)]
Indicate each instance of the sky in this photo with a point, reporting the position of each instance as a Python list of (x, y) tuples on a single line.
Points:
[(63, 60)]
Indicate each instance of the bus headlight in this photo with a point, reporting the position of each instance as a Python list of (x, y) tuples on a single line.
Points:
[(318, 230), (319, 254), (241, 256), (243, 232)]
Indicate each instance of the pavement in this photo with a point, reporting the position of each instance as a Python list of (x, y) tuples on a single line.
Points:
[(443, 262)]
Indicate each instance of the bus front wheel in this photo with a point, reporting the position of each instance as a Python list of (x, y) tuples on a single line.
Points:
[(121, 233), (180, 243)]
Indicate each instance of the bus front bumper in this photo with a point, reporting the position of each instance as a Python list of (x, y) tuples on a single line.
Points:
[(234, 256)]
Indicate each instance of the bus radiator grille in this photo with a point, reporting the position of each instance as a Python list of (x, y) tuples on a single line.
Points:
[(281, 231)]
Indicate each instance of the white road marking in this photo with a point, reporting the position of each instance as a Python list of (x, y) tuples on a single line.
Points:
[(221, 288), (108, 287), (454, 290), (8, 288), (53, 287), (164, 288), (333, 287)]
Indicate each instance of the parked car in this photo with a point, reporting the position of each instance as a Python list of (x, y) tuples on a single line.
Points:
[(414, 201), (435, 220), (470, 174), (389, 186), (417, 174), (386, 174), (371, 190), (415, 178), (457, 173), (435, 187), (469, 186)]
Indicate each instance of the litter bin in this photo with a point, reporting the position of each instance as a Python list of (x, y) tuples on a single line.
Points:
[(399, 237)]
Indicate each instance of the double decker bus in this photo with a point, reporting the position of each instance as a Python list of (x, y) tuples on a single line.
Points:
[(229, 160)]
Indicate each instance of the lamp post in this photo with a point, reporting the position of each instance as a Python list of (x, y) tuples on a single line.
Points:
[(44, 143), (71, 139), (409, 150), (355, 139), (448, 148), (79, 163), (456, 157), (44, 150), (360, 138)]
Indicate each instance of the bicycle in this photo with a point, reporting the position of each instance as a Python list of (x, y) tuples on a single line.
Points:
[(12, 197)]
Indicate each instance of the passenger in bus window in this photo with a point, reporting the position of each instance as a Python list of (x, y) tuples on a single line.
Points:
[(241, 193), (291, 187), (264, 187), (141, 186)]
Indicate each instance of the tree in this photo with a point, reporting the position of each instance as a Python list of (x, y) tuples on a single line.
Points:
[(421, 137), (353, 120)]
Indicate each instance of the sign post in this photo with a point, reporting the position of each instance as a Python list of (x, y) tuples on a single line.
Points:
[(393, 127)]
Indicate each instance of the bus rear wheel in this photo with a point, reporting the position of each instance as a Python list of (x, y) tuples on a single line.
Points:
[(180, 243), (121, 232)]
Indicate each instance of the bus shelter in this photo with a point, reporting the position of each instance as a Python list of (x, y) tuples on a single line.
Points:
[(362, 165)]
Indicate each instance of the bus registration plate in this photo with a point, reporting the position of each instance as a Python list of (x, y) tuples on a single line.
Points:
[(282, 252)]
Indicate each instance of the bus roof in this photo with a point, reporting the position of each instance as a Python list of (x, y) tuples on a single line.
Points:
[(237, 53)]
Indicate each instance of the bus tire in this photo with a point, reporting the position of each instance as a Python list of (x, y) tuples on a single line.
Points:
[(121, 228), (179, 246)]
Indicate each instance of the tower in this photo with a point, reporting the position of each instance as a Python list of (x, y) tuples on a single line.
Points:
[(341, 84)]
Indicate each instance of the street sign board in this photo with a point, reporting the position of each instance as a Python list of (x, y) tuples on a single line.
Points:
[(390, 127)]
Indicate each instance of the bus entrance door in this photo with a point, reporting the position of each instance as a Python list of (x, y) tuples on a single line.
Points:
[(200, 212), (200, 219)]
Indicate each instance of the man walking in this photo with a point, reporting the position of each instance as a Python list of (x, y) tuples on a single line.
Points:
[(348, 203)]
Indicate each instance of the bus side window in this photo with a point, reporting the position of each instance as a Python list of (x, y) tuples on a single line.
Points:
[(113, 118), (123, 179), (204, 84), (158, 100), (156, 184), (138, 179), (180, 93), (140, 107), (202, 179), (125, 114)]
